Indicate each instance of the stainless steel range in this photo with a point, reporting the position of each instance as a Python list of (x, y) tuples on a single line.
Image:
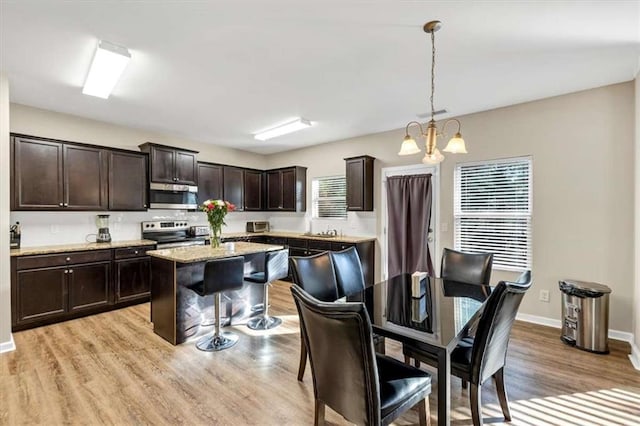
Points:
[(169, 233)]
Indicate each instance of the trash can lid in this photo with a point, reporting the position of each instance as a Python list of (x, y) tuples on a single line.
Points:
[(587, 286)]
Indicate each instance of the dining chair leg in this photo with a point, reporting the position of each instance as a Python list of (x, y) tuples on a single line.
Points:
[(416, 363), (498, 379), (319, 415), (476, 404), (424, 412), (464, 383), (407, 360), (303, 359)]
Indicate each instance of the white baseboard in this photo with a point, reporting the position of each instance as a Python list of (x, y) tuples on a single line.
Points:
[(556, 323), (635, 356), (8, 346)]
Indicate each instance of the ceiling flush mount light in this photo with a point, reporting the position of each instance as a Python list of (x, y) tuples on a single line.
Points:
[(107, 66), (283, 129), (456, 143)]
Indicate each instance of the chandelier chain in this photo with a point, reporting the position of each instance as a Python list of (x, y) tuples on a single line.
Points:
[(433, 69)]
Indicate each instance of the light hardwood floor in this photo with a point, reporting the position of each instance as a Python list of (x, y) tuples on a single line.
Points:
[(111, 369)]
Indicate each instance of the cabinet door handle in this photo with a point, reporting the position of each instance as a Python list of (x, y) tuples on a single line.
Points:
[(71, 271), (61, 205), (68, 259), (144, 205), (66, 204), (66, 271), (135, 252)]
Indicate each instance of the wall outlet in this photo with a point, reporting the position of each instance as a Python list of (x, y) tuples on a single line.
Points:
[(544, 295)]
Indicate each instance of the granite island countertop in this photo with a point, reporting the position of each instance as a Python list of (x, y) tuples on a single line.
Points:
[(291, 234), (192, 254), (61, 248)]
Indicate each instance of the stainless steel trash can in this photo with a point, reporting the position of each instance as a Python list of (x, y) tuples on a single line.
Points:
[(585, 315)]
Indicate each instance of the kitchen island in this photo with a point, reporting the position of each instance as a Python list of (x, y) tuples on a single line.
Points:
[(177, 311)]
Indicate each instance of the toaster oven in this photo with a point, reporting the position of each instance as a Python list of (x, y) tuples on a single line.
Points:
[(258, 226)]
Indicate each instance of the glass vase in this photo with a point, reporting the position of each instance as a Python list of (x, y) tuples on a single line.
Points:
[(214, 235)]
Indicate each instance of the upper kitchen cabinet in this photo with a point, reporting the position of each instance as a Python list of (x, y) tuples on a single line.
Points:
[(287, 189), (52, 175), (253, 185), (233, 186), (171, 165), (209, 182), (127, 180), (359, 175)]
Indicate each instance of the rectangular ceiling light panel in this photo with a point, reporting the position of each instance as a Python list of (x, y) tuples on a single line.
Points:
[(283, 129), (108, 64)]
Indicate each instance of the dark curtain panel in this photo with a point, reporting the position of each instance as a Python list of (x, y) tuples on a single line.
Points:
[(409, 215)]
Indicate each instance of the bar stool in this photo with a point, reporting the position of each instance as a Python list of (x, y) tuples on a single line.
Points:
[(276, 267), (219, 275)]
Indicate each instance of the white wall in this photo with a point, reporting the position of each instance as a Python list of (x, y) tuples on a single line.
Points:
[(6, 340), (582, 148), (635, 349)]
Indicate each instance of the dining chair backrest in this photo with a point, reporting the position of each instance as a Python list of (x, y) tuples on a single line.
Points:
[(492, 337), (472, 268), (349, 275), (343, 360), (316, 275)]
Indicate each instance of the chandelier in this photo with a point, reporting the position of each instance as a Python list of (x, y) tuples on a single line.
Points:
[(456, 143)]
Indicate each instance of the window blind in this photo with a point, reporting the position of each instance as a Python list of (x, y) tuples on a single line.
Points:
[(492, 210), (329, 197)]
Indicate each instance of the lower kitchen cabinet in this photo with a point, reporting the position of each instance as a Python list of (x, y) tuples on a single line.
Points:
[(57, 287), (39, 294), (132, 279), (89, 286)]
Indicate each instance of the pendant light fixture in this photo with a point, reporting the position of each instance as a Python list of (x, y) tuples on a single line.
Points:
[(456, 143)]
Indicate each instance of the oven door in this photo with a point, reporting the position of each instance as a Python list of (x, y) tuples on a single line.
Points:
[(182, 197)]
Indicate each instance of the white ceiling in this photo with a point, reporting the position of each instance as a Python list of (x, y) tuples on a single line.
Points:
[(218, 71)]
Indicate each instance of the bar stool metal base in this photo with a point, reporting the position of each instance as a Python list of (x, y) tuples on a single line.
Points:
[(263, 323), (217, 342)]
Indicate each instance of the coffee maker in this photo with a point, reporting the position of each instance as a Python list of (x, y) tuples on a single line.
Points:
[(102, 222)]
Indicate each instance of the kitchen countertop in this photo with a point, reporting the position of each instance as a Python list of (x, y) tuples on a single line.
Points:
[(61, 248), (289, 234), (193, 254)]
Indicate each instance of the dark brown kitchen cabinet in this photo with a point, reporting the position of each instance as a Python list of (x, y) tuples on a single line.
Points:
[(287, 189), (171, 165), (88, 285), (51, 288), (359, 177), (253, 183), (132, 274), (233, 186), (127, 180), (52, 175), (209, 182)]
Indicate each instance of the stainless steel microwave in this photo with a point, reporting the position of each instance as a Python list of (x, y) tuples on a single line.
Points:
[(173, 196)]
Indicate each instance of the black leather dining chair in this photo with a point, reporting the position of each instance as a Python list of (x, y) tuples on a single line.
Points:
[(348, 376), (476, 359), (350, 281), (471, 268), (317, 276)]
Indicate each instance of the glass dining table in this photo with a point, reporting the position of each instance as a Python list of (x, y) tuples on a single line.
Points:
[(435, 316)]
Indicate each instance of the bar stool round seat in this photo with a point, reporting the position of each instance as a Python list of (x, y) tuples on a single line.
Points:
[(276, 267), (219, 275)]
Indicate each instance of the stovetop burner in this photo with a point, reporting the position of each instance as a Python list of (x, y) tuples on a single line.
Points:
[(170, 234)]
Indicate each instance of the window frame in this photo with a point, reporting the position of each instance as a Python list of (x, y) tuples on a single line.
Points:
[(526, 214), (314, 198)]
